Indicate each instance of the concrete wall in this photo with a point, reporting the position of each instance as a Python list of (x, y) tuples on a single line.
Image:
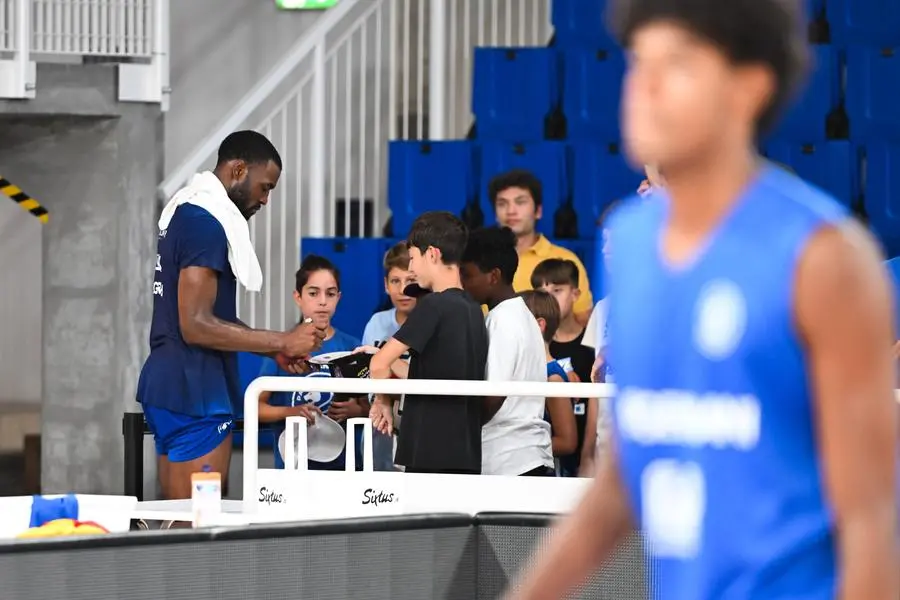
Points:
[(95, 164), (219, 50), (20, 303)]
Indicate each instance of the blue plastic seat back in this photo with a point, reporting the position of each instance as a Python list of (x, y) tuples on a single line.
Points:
[(873, 87), (867, 22), (546, 160), (514, 91), (580, 24), (600, 175), (882, 194), (805, 119), (426, 176), (591, 94), (830, 166)]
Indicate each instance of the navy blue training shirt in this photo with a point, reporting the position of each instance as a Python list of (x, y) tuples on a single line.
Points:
[(178, 377)]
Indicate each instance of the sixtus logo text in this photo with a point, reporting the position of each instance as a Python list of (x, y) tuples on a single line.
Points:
[(267, 496), (376, 497)]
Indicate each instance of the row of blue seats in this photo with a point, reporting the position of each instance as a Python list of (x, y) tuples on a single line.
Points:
[(585, 85), (450, 175), (580, 23)]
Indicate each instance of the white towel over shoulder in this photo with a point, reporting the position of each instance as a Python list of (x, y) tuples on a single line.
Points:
[(206, 191)]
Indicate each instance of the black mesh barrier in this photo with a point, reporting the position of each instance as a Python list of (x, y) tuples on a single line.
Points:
[(505, 543), (446, 557)]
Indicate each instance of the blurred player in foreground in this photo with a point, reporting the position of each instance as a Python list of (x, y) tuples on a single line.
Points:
[(755, 430)]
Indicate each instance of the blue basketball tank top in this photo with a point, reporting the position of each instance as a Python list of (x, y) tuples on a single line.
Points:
[(713, 416)]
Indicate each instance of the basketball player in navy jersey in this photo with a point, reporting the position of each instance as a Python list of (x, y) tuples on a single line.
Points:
[(189, 384), (755, 428)]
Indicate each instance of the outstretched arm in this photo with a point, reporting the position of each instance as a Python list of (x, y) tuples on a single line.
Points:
[(197, 289), (843, 308)]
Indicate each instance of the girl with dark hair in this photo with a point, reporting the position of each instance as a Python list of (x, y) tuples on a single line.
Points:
[(317, 293)]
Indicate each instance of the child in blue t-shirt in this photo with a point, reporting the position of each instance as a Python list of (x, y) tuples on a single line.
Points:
[(382, 327), (318, 290)]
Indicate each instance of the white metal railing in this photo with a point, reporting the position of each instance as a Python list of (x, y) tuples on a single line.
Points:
[(397, 387), (368, 72), (119, 29), (8, 33), (93, 28), (122, 28)]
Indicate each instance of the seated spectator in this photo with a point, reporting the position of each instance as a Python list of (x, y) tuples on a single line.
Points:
[(560, 412), (517, 198), (515, 438), (382, 327), (317, 293)]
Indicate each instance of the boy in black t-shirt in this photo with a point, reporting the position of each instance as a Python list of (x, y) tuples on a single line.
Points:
[(446, 338), (559, 277)]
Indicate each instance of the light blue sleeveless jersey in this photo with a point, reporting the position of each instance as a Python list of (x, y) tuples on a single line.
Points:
[(713, 420)]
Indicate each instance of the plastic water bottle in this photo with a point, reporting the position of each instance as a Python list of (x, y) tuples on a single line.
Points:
[(206, 496)]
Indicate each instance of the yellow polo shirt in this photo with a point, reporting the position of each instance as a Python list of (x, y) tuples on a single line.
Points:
[(543, 250)]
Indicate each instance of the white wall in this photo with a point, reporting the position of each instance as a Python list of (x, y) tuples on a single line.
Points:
[(219, 50), (20, 304)]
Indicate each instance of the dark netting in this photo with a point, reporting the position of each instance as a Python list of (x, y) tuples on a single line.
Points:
[(444, 562)]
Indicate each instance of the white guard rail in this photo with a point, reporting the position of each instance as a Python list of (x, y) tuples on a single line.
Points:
[(300, 494), (133, 31), (369, 71), (317, 494)]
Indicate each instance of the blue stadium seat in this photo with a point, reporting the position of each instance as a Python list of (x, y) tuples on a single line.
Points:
[(873, 89), (600, 175), (592, 89), (830, 166), (426, 176), (362, 277), (514, 91), (882, 200), (805, 120), (580, 24), (547, 160), (867, 22)]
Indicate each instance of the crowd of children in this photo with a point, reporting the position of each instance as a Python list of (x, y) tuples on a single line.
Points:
[(534, 323), (533, 335)]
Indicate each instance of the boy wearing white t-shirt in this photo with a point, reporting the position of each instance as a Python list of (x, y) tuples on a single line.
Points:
[(515, 439)]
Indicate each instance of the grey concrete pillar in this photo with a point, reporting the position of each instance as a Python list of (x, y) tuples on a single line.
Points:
[(94, 164)]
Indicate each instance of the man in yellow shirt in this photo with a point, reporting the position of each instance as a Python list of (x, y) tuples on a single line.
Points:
[(517, 203)]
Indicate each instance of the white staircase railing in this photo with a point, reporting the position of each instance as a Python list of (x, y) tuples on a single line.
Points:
[(133, 31), (369, 71)]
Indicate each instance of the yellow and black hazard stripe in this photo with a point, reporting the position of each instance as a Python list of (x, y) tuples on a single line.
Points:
[(24, 200)]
